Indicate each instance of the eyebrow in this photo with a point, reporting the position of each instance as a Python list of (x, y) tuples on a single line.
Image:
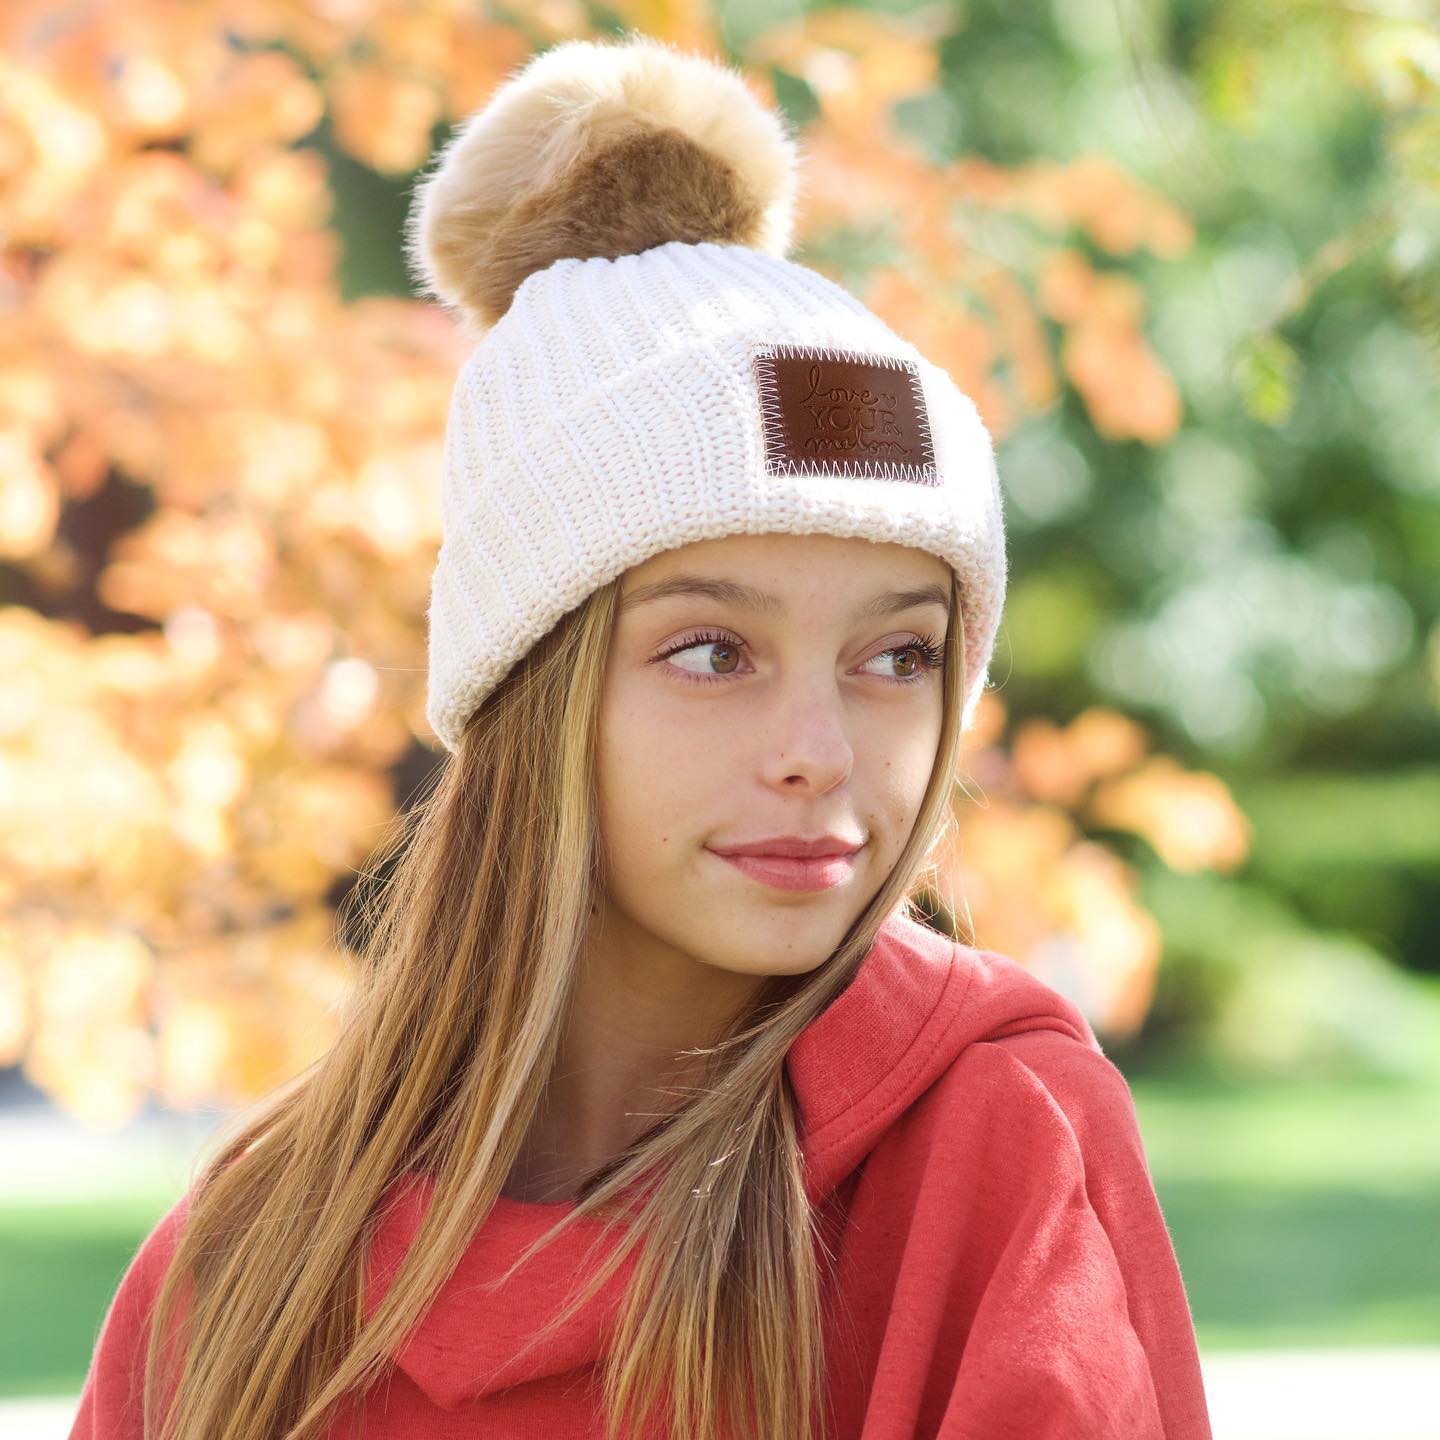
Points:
[(747, 597)]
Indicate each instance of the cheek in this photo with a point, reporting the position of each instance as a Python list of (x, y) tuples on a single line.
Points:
[(901, 776), (657, 779)]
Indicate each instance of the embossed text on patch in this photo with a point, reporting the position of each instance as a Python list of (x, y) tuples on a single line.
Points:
[(835, 411)]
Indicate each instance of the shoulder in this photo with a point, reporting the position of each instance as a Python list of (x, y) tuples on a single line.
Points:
[(135, 1294), (1048, 1089), (1073, 1072), (110, 1398)]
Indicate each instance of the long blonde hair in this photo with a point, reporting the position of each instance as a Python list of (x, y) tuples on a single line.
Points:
[(440, 1066)]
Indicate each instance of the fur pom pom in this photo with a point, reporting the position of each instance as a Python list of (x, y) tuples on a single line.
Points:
[(598, 147)]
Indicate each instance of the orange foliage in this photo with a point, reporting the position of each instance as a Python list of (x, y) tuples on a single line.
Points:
[(180, 801), (382, 116), (858, 62), (1059, 764), (1191, 820), (687, 24), (1038, 888), (1128, 392)]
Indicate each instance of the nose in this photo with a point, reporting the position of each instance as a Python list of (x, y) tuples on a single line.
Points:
[(806, 738)]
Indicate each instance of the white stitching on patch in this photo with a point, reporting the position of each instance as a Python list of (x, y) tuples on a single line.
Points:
[(762, 357)]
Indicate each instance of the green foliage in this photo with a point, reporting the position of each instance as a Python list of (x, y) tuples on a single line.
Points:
[(1265, 375)]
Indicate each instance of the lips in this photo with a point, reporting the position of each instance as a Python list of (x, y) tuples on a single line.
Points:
[(781, 872)]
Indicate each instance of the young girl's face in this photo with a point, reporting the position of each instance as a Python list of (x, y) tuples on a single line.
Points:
[(764, 686)]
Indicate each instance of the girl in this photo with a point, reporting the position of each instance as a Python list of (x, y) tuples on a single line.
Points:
[(658, 1111)]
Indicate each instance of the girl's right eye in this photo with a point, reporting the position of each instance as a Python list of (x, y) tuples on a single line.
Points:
[(725, 643)]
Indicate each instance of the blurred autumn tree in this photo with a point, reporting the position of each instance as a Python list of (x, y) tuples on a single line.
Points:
[(220, 430)]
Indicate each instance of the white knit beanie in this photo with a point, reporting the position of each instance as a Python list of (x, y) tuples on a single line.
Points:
[(652, 371)]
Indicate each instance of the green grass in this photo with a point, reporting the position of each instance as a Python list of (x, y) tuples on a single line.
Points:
[(59, 1265), (72, 1216), (1300, 1216)]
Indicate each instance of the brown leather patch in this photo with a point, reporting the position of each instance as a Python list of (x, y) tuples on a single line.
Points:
[(829, 411)]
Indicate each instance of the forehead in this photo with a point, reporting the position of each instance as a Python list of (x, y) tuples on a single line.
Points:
[(777, 575)]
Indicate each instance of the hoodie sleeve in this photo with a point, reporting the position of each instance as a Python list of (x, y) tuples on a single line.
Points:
[(1082, 1328), (111, 1400)]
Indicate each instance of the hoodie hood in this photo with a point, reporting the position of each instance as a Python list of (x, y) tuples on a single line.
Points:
[(916, 1002)]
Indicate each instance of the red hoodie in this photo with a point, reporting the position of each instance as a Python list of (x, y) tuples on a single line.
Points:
[(1004, 1270)]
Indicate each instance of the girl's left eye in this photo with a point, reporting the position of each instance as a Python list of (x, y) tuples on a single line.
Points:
[(930, 652)]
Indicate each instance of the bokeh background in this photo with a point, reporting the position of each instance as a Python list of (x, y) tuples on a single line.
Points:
[(1186, 258)]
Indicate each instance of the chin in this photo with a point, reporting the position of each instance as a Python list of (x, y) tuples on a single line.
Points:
[(774, 945)]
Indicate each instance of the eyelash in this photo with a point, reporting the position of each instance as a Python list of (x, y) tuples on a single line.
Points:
[(931, 652)]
